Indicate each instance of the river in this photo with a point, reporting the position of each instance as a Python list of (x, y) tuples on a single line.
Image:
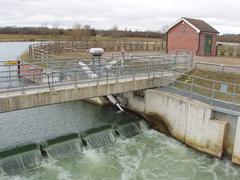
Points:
[(148, 155)]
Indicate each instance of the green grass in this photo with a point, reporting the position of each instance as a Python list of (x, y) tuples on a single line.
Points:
[(23, 37), (203, 86)]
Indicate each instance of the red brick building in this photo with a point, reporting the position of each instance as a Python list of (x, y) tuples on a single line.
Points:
[(192, 35)]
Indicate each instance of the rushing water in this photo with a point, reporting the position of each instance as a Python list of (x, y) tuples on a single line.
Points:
[(148, 155)]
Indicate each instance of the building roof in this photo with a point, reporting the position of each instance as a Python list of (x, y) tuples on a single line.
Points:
[(197, 24)]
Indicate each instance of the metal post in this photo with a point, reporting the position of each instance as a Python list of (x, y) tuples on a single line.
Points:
[(48, 76), (119, 71), (52, 79), (152, 67), (148, 68), (162, 75), (134, 70), (116, 71), (196, 63), (107, 75), (75, 78), (33, 74), (192, 88), (10, 78), (213, 92), (173, 80), (191, 61), (98, 74), (149, 63), (233, 95), (22, 84)]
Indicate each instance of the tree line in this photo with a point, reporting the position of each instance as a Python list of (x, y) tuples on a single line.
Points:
[(80, 32), (229, 38)]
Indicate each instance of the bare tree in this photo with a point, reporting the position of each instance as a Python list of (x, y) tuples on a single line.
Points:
[(56, 31), (81, 32), (114, 31), (76, 32), (164, 29)]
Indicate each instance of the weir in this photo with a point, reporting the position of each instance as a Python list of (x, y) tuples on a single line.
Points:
[(101, 138), (127, 130), (16, 160), (63, 146)]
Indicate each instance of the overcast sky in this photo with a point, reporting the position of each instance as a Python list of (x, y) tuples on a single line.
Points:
[(224, 15)]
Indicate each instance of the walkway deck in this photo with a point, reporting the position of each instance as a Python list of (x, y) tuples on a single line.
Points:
[(218, 105)]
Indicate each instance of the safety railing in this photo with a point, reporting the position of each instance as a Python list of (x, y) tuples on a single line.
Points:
[(215, 93), (77, 76), (217, 67), (22, 75)]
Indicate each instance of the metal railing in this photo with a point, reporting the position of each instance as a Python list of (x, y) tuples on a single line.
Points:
[(217, 67), (25, 76), (216, 93)]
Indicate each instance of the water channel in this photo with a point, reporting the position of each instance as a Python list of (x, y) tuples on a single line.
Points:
[(147, 155)]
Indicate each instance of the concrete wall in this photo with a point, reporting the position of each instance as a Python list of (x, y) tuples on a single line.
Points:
[(189, 121), (232, 121), (236, 150)]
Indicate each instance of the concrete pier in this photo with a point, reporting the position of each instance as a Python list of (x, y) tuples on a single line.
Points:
[(191, 122)]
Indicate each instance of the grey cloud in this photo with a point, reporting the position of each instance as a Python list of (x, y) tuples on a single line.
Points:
[(134, 14)]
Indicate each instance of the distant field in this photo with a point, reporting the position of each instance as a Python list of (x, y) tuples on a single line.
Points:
[(20, 37)]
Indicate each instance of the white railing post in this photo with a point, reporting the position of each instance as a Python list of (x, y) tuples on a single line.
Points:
[(134, 70), (222, 68), (213, 92), (192, 83)]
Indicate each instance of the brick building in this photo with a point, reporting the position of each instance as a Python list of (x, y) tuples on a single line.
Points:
[(193, 35)]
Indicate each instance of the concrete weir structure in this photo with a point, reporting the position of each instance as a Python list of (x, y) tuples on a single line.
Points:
[(191, 122)]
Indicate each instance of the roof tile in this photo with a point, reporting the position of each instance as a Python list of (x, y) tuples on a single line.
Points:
[(201, 25)]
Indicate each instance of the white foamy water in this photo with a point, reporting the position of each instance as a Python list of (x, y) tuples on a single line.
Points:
[(150, 155)]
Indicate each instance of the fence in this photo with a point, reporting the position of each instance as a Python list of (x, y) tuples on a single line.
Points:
[(61, 72), (43, 50), (217, 67), (228, 50), (216, 93)]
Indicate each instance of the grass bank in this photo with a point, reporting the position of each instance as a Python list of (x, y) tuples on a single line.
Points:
[(202, 82)]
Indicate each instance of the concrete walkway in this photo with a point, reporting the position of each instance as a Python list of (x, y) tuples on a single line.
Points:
[(216, 104), (17, 100)]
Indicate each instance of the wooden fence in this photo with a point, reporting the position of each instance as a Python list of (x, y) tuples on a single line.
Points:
[(228, 50), (43, 50)]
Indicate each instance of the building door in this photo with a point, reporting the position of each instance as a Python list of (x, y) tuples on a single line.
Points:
[(208, 45)]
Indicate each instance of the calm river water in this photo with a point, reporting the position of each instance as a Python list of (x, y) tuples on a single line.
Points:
[(149, 155)]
